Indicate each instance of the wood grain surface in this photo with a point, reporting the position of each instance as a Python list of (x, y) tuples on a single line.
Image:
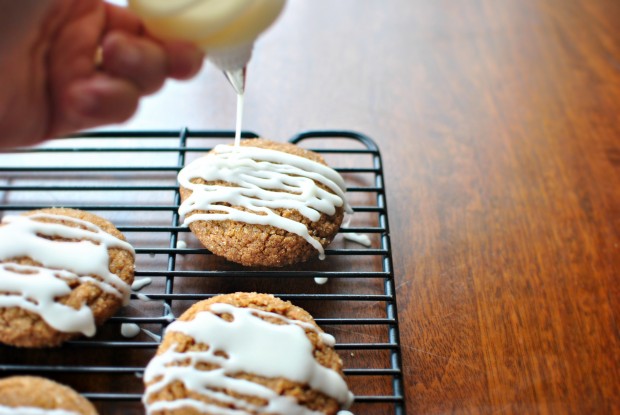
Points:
[(498, 122)]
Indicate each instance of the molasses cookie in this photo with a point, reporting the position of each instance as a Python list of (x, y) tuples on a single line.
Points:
[(62, 273), (263, 203), (245, 353), (29, 395)]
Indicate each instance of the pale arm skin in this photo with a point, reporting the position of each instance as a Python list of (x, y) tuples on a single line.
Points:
[(51, 83)]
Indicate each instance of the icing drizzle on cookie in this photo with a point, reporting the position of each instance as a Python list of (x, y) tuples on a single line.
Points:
[(251, 345), (263, 180), (28, 410), (81, 255)]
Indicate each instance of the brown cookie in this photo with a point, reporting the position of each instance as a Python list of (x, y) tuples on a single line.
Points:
[(264, 245), (241, 336), (40, 393), (30, 327)]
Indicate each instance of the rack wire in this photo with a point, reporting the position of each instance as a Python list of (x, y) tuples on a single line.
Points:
[(130, 179)]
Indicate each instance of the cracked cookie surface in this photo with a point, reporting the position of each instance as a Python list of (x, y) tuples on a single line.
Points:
[(35, 392), (252, 244), (185, 356), (78, 300)]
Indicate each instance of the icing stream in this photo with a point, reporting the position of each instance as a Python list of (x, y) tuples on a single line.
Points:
[(239, 120), (264, 179), (251, 345), (35, 288)]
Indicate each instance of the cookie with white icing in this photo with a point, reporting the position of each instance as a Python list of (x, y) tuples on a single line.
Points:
[(29, 395), (263, 203), (62, 273), (245, 353)]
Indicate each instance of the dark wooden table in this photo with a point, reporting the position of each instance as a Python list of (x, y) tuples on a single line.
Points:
[(499, 126)]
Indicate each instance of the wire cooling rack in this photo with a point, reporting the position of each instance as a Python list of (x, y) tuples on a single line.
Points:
[(130, 179)]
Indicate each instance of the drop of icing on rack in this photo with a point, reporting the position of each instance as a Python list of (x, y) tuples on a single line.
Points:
[(152, 335), (140, 283), (358, 238), (142, 297), (130, 330)]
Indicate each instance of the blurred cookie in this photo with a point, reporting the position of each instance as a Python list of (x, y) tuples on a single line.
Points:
[(62, 272), (245, 353), (264, 203), (29, 395)]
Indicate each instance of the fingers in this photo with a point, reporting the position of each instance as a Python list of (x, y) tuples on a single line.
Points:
[(120, 18), (137, 60), (146, 62), (133, 64), (95, 101), (184, 59)]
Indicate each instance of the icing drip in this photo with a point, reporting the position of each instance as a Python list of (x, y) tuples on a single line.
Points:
[(152, 335), (27, 410), (252, 345), (358, 237), (130, 330), (320, 280), (169, 314), (265, 180), (140, 283), (142, 297), (35, 288)]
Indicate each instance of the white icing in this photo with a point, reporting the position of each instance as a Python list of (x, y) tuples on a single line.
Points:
[(239, 120), (142, 297), (37, 292), (169, 314), (152, 335), (130, 330), (252, 345), (357, 237), (36, 288), (181, 245), (265, 180), (321, 280), (27, 410), (344, 413), (140, 283)]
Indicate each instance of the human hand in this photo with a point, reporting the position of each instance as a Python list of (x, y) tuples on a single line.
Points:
[(50, 81)]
